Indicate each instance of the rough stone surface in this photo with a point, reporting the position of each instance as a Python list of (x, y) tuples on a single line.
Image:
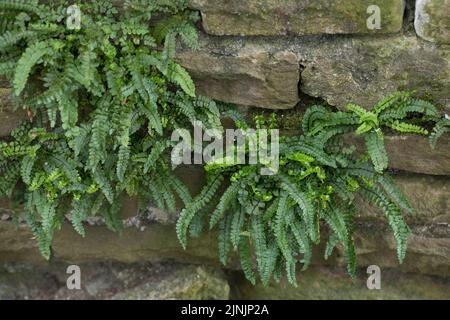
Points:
[(432, 20), (429, 196), (326, 283), (412, 153), (262, 72), (185, 283), (252, 76), (364, 71), (114, 281), (9, 120), (153, 243), (280, 17), (428, 248)]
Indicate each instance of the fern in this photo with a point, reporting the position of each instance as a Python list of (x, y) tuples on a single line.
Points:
[(200, 201), (28, 60), (224, 239), (442, 127), (408, 128), (246, 259), (394, 216), (377, 151), (223, 205)]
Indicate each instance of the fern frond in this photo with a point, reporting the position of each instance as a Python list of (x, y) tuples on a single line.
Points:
[(29, 59), (186, 216), (224, 239), (246, 259), (394, 216), (335, 219), (224, 203), (405, 127), (395, 193), (300, 232), (377, 151), (307, 209), (441, 128)]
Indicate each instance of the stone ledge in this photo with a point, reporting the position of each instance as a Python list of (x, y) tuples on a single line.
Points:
[(321, 283), (412, 153), (432, 21), (429, 196), (114, 281), (340, 70), (281, 17), (252, 77), (428, 248)]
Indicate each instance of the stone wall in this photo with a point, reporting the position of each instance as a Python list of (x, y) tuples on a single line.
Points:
[(279, 54), (322, 49)]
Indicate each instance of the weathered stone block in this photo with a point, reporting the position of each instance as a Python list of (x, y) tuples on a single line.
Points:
[(279, 17), (251, 76), (329, 284), (9, 120), (263, 72), (364, 71), (412, 153), (429, 196), (115, 281), (432, 20), (428, 248)]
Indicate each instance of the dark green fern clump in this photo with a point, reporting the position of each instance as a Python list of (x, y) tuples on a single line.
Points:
[(400, 112), (278, 218), (102, 101)]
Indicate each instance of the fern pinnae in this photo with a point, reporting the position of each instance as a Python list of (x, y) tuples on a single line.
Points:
[(246, 259), (395, 193), (224, 204), (442, 127), (394, 216), (282, 238), (27, 168), (224, 239), (307, 209), (259, 239), (237, 223), (300, 232), (377, 151), (335, 219), (28, 60), (188, 213), (180, 188)]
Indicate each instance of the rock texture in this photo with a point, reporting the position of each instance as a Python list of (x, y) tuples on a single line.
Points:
[(364, 71), (429, 196), (251, 76), (428, 248), (280, 17), (432, 21), (263, 72), (9, 119), (275, 55), (414, 153), (114, 281), (332, 284), (184, 283)]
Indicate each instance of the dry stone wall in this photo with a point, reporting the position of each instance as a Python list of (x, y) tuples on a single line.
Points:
[(273, 54)]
